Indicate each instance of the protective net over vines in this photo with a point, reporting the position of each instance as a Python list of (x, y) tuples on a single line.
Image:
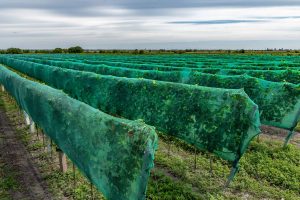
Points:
[(279, 103), (222, 121), (115, 154), (209, 101), (277, 71)]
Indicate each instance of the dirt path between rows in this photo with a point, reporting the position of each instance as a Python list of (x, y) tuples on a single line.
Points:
[(14, 154), (279, 134)]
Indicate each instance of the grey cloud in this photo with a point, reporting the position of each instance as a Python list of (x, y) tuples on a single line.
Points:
[(207, 22), (81, 7), (30, 25), (138, 4), (68, 7), (135, 28), (219, 44), (279, 17)]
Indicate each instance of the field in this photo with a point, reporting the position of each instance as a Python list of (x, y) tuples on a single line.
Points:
[(157, 126)]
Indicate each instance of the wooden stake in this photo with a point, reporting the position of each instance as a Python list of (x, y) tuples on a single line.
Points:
[(51, 144), (32, 127), (37, 132), (74, 177), (27, 120), (195, 159), (49, 149), (43, 135), (169, 149), (210, 165), (92, 192), (62, 161), (2, 88)]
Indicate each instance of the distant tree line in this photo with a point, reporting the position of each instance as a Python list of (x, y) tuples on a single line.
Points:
[(78, 49)]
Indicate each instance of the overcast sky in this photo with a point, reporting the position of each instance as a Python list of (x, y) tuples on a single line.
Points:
[(151, 24)]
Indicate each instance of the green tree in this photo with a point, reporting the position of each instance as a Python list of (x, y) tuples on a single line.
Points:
[(136, 51), (26, 51), (42, 51), (76, 49), (242, 51), (14, 51), (58, 50)]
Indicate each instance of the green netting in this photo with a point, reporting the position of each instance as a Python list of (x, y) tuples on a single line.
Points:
[(222, 121), (139, 66), (291, 76), (183, 60), (115, 154), (279, 103), (181, 66)]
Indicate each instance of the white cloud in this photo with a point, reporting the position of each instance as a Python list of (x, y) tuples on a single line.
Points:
[(120, 27)]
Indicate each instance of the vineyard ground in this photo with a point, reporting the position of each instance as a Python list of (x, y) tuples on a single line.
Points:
[(267, 171), (19, 177)]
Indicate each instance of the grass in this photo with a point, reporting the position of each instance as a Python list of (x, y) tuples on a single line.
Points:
[(8, 177), (8, 181), (298, 127), (60, 184), (267, 171)]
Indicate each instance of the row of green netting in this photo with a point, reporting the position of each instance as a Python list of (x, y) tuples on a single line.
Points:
[(115, 154), (173, 67), (222, 121), (191, 61), (291, 76), (162, 67), (178, 65), (279, 103)]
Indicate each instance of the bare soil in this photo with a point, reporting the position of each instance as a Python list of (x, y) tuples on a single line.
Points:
[(279, 134), (14, 155)]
